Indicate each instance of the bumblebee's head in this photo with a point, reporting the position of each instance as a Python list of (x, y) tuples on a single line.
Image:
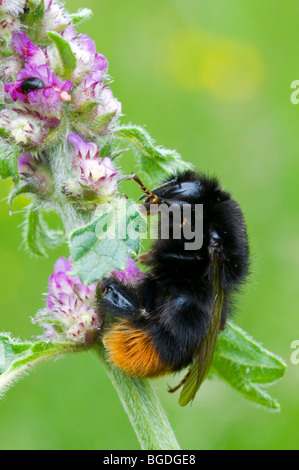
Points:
[(192, 188)]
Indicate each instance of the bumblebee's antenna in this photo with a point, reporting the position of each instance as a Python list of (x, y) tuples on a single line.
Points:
[(149, 195), (141, 185), (136, 178)]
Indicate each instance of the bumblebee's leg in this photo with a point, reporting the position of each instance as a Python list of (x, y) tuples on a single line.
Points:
[(182, 382), (143, 257), (216, 245), (217, 248), (228, 238)]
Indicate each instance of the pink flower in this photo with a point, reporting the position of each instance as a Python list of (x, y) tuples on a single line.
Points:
[(85, 150), (84, 49), (23, 129), (46, 100), (100, 175), (14, 7), (55, 16), (8, 24), (130, 274), (28, 51), (71, 312)]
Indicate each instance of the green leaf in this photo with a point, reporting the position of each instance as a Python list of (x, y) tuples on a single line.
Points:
[(38, 13), (3, 133), (158, 163), (100, 123), (8, 163), (247, 366), (51, 238), (31, 233), (106, 148), (5, 168), (106, 243), (37, 235), (67, 56), (81, 15), (85, 112), (15, 192), (33, 20), (18, 358), (5, 53)]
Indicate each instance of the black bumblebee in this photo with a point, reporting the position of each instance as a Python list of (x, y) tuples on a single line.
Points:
[(171, 318)]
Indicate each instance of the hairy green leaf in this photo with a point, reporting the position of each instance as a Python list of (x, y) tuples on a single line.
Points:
[(5, 168), (37, 235), (158, 163), (18, 358), (81, 15), (31, 232), (51, 238), (38, 12), (8, 162), (19, 191), (106, 243), (3, 133), (67, 56), (247, 366)]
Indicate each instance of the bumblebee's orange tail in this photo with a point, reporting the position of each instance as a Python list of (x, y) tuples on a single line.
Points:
[(132, 350)]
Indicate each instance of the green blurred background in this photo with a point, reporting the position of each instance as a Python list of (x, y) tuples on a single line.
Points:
[(212, 80)]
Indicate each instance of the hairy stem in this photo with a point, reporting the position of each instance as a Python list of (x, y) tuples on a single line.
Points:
[(143, 408)]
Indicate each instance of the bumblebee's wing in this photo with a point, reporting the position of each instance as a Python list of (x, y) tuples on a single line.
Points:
[(204, 354)]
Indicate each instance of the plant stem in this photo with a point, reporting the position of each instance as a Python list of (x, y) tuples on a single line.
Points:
[(143, 408)]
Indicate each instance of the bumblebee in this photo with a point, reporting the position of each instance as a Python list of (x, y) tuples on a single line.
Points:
[(170, 319)]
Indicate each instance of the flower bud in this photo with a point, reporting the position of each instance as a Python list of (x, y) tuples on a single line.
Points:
[(9, 67), (56, 18), (25, 130), (103, 110), (34, 173), (14, 7), (8, 25)]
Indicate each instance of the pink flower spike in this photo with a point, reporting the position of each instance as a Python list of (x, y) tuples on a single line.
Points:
[(71, 313)]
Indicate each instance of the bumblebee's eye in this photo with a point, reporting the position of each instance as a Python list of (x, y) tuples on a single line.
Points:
[(32, 83)]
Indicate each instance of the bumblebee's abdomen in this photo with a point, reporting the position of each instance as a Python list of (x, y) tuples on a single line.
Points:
[(132, 350)]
